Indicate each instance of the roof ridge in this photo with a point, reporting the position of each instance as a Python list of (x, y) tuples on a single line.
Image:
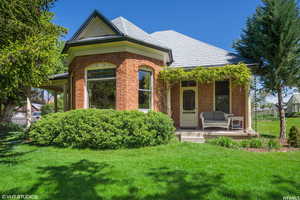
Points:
[(189, 37), (122, 22)]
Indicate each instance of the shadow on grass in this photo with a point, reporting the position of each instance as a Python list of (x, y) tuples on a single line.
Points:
[(267, 136), (81, 180), (9, 139)]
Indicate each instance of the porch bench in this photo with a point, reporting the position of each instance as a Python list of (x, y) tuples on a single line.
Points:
[(215, 119)]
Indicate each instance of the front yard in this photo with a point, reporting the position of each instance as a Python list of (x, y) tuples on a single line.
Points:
[(175, 171), (271, 127)]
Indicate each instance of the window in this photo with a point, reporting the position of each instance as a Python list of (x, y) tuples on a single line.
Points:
[(222, 96), (189, 100), (145, 89), (101, 88), (188, 83)]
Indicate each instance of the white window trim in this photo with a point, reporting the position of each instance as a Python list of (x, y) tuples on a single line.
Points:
[(214, 96), (152, 89), (93, 67)]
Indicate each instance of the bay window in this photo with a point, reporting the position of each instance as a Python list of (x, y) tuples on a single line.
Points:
[(101, 88)]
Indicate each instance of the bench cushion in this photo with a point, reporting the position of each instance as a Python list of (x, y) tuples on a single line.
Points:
[(218, 115), (208, 115)]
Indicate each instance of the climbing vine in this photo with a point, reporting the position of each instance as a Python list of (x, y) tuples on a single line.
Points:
[(240, 74)]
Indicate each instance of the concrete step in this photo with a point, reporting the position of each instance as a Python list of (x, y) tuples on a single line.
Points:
[(195, 139)]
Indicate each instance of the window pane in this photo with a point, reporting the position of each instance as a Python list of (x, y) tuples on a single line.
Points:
[(222, 96), (145, 79), (188, 83), (188, 100), (145, 99), (102, 94), (101, 73)]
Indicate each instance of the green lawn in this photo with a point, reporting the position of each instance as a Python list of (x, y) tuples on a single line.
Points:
[(271, 127), (179, 171)]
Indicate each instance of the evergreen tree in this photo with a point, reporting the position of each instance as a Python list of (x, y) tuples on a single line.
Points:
[(272, 38)]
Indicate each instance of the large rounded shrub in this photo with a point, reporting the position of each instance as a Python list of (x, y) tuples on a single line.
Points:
[(102, 129)]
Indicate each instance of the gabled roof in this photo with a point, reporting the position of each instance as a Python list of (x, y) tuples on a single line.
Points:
[(295, 98), (125, 31), (183, 50), (131, 30), (189, 52), (95, 14)]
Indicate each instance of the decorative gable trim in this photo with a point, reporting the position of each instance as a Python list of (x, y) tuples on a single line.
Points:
[(96, 13)]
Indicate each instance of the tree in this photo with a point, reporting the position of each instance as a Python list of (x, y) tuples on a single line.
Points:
[(30, 49), (271, 38)]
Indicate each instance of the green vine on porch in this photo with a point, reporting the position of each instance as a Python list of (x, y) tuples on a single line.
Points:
[(240, 74)]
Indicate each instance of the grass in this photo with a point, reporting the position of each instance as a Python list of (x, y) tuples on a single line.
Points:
[(179, 171), (270, 128)]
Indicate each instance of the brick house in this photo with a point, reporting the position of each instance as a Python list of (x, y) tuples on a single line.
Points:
[(115, 64)]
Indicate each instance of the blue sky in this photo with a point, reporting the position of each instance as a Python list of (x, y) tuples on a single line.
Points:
[(217, 22)]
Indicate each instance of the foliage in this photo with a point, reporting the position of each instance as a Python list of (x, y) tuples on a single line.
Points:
[(102, 129), (293, 114), (240, 74), (248, 143), (294, 137), (224, 142), (50, 107), (30, 49), (271, 38), (255, 143), (273, 144), (9, 127)]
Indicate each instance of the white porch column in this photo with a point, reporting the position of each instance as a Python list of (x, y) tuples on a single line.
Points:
[(248, 109), (65, 97)]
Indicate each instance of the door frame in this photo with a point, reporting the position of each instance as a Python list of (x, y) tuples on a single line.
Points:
[(196, 88)]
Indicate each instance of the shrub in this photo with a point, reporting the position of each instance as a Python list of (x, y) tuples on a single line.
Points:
[(294, 137), (9, 127), (255, 143), (244, 143), (273, 144), (293, 114), (49, 108), (224, 142), (102, 129)]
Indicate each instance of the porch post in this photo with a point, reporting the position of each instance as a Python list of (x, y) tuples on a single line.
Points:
[(65, 97), (248, 109), (55, 102), (169, 99)]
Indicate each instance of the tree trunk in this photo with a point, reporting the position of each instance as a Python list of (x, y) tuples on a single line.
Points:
[(28, 108), (281, 114), (7, 112)]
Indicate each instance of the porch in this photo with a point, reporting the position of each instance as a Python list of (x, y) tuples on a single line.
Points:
[(199, 135)]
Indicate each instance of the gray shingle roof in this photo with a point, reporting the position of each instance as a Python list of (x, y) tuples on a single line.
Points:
[(189, 52), (131, 30), (295, 98)]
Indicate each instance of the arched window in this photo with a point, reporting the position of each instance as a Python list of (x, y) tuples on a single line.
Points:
[(145, 89), (101, 86)]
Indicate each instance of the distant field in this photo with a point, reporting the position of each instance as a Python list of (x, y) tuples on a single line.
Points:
[(271, 127)]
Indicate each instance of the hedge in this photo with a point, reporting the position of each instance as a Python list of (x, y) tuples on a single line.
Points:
[(102, 129)]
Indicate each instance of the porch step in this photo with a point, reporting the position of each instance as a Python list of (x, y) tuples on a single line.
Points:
[(195, 139)]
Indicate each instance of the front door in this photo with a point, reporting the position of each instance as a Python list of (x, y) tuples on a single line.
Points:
[(189, 104)]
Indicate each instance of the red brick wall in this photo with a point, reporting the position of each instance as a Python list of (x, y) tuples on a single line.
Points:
[(205, 99), (126, 78), (175, 104), (238, 101)]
